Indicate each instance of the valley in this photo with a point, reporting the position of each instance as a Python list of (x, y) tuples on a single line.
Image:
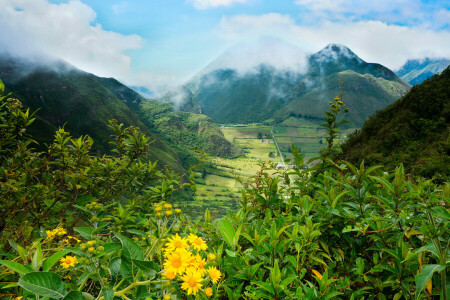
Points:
[(217, 188)]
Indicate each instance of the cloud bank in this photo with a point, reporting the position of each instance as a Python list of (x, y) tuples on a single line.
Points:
[(36, 28), (373, 41)]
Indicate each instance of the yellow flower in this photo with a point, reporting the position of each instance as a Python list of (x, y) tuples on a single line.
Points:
[(166, 297), (158, 214), (169, 275), (50, 233), (90, 243), (18, 298), (68, 261), (336, 99), (176, 242), (60, 231), (178, 211), (168, 213), (192, 281), (158, 208), (72, 238), (200, 264), (197, 242), (209, 292), (178, 261), (214, 274), (211, 256), (168, 206)]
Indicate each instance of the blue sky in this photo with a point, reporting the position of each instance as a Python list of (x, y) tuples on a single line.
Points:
[(162, 43)]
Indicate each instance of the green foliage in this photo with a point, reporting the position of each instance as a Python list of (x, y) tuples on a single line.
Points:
[(39, 189), (186, 131), (414, 131), (344, 231)]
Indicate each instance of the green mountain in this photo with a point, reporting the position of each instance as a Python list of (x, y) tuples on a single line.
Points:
[(83, 103), (417, 70), (268, 93), (413, 130)]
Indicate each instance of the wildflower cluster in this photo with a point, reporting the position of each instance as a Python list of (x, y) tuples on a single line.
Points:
[(164, 208), (185, 258), (58, 232), (91, 247)]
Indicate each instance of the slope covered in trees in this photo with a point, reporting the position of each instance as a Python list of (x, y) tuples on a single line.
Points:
[(413, 130)]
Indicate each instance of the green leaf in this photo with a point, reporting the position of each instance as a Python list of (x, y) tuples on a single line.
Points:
[(85, 232), (427, 273), (227, 231), (22, 252), (147, 267), (36, 262), (44, 284), (16, 267), (52, 260), (129, 248), (110, 247), (275, 274), (74, 295), (88, 296), (108, 294)]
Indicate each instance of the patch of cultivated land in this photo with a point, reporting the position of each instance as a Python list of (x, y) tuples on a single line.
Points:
[(218, 189)]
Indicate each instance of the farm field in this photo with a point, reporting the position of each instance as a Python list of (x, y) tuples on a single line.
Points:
[(218, 189)]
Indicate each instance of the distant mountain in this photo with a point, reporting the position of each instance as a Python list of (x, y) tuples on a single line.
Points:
[(417, 70), (257, 90), (83, 103), (413, 130)]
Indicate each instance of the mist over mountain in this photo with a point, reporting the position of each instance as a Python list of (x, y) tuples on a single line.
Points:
[(285, 81), (83, 103), (415, 71)]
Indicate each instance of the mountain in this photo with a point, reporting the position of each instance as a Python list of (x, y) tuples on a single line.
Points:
[(417, 70), (413, 130), (254, 89), (83, 103)]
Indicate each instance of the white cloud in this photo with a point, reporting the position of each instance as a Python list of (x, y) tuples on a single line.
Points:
[(411, 12), (205, 4), (66, 31), (373, 41)]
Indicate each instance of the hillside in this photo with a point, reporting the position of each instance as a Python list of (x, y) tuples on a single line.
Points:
[(413, 130), (83, 103), (268, 93), (186, 131), (415, 71)]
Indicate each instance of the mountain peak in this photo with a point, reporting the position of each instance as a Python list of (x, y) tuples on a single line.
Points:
[(333, 52)]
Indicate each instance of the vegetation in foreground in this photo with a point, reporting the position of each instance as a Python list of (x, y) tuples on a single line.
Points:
[(85, 227)]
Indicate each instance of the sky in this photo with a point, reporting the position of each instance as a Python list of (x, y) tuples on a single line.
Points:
[(159, 44)]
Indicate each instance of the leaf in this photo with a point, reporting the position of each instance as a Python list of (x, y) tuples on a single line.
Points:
[(275, 274), (74, 295), (147, 267), (110, 247), (85, 232), (52, 260), (317, 274), (108, 294), (129, 248), (44, 284), (22, 252), (16, 267), (427, 273), (36, 262), (227, 231)]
